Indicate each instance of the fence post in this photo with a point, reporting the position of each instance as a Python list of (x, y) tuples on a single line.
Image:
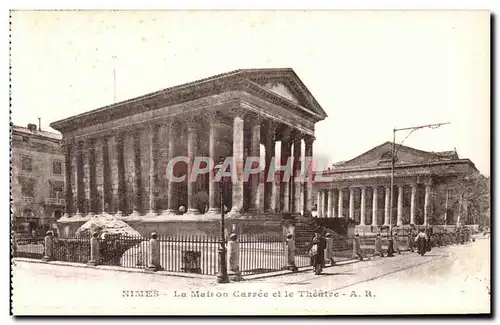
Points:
[(378, 246), (49, 247), (233, 253), (290, 243), (154, 253), (94, 250)]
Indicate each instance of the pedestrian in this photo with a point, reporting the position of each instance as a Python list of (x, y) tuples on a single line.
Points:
[(378, 246), (357, 248), (396, 243), (411, 241), (317, 252), (421, 240), (290, 242), (329, 248)]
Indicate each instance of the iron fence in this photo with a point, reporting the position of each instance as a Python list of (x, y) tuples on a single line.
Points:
[(28, 247), (195, 254)]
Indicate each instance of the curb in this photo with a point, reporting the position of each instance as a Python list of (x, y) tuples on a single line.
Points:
[(174, 274), (115, 268)]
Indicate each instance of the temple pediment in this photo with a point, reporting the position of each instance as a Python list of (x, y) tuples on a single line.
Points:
[(282, 90), (381, 156)]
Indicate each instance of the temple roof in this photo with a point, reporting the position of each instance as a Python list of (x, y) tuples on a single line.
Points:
[(280, 84)]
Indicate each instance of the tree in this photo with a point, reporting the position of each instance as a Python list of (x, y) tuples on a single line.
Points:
[(473, 192)]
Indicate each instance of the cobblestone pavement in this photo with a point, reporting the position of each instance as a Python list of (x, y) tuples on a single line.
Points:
[(454, 279)]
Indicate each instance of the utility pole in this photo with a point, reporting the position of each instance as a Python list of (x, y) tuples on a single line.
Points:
[(394, 152), (114, 78)]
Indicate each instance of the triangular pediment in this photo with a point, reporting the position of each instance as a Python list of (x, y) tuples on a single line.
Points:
[(282, 90), (381, 156), (285, 83)]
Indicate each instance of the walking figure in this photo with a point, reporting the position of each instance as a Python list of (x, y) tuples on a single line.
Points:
[(421, 241), (378, 246), (357, 248), (317, 252), (411, 241), (329, 248)]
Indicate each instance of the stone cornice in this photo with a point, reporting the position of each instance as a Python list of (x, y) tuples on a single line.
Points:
[(396, 167), (184, 93)]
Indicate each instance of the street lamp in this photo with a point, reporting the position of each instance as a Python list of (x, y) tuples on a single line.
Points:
[(222, 276), (394, 152)]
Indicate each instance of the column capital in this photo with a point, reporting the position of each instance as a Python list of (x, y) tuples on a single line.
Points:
[(193, 121), (309, 139), (214, 116), (286, 134)]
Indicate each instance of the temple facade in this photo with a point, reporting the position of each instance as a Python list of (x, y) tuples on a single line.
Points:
[(426, 188), (116, 157)]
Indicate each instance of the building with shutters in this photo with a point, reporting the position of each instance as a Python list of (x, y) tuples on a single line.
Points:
[(37, 183)]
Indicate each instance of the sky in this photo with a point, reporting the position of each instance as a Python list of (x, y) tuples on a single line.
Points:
[(371, 71)]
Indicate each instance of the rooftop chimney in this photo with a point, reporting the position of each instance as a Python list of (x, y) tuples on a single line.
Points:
[(32, 127)]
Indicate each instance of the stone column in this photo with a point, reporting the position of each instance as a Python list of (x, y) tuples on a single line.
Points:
[(297, 153), (375, 207), (120, 174), (362, 219), (153, 163), (285, 183), (80, 185), (270, 149), (138, 174), (170, 138), (413, 203), (109, 194), (330, 203), (238, 161), (387, 206), (68, 149), (112, 177), (341, 203), (351, 203), (99, 167), (320, 203), (427, 203), (400, 205), (334, 201), (324, 204), (275, 193), (129, 148), (213, 187), (308, 153), (89, 177), (256, 205), (192, 152)]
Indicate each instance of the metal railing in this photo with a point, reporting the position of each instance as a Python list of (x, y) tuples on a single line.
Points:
[(54, 201), (199, 254)]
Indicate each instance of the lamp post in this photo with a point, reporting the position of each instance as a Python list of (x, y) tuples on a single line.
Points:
[(394, 152), (222, 276)]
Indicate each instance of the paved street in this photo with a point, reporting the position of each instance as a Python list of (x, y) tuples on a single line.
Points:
[(447, 280)]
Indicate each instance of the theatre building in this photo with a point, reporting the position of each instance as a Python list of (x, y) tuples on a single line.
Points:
[(117, 156), (37, 184), (426, 188)]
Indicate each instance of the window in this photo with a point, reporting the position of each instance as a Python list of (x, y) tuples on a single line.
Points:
[(57, 167), (26, 164), (56, 191), (27, 189)]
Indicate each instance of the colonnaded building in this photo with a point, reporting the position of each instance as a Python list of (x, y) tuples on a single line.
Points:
[(426, 188), (116, 156)]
